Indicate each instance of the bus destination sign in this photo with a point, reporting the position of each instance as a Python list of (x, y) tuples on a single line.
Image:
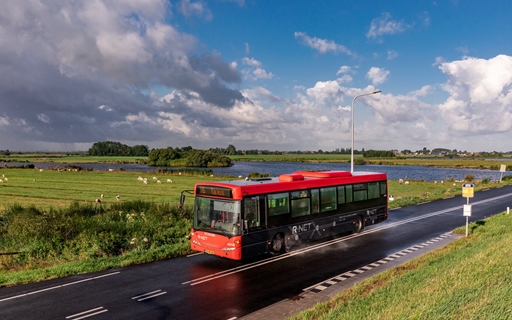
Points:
[(215, 191)]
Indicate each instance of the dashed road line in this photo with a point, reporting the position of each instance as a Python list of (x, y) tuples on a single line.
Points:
[(347, 275), (149, 295), (87, 314), (59, 286)]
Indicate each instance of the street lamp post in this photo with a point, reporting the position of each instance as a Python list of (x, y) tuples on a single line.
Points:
[(352, 149)]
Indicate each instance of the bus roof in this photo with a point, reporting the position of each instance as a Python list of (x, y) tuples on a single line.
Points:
[(287, 182)]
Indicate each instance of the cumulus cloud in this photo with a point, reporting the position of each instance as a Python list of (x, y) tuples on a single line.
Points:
[(321, 45), (377, 75), (73, 72), (255, 70), (480, 95), (385, 26)]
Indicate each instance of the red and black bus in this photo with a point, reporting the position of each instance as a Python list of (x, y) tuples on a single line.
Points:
[(244, 218)]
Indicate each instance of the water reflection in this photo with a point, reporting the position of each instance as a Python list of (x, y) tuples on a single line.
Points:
[(276, 168)]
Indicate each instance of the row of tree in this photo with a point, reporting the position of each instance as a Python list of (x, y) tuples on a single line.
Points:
[(378, 154), (110, 148), (187, 157)]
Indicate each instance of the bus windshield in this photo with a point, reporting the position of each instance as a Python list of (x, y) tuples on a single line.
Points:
[(217, 215)]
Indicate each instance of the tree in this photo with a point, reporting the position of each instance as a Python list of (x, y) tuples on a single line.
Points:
[(162, 157)]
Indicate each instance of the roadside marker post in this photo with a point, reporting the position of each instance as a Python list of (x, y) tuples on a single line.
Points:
[(468, 191), (503, 168)]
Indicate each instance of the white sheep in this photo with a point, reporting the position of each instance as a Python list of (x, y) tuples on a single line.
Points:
[(400, 181), (145, 182), (6, 179), (98, 201), (406, 182), (1, 180), (158, 181), (101, 196), (155, 178), (118, 198), (169, 181)]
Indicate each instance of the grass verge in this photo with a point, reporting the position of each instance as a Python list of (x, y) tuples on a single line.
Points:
[(467, 279)]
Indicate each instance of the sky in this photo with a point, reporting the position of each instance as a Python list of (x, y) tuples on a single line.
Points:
[(267, 75)]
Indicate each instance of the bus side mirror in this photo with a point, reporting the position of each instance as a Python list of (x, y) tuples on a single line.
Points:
[(182, 201)]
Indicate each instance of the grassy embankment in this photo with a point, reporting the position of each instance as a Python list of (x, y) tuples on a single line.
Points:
[(52, 219), (468, 279)]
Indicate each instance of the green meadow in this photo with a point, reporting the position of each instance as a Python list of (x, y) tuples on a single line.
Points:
[(52, 188)]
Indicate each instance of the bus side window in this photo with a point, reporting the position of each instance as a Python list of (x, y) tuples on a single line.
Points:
[(278, 204), (383, 190), (373, 190), (348, 193), (341, 194), (360, 191), (315, 201), (300, 203), (252, 212), (328, 199)]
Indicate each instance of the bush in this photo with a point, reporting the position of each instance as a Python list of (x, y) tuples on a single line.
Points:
[(469, 177), (82, 233)]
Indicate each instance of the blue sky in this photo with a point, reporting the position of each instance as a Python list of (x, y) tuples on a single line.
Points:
[(274, 75)]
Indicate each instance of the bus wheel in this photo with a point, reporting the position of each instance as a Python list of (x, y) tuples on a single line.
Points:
[(277, 244), (358, 225)]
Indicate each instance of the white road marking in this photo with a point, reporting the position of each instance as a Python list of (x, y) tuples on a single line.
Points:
[(378, 228), (60, 286), (149, 295), (87, 314)]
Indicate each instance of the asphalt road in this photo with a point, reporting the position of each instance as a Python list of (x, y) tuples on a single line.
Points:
[(207, 287)]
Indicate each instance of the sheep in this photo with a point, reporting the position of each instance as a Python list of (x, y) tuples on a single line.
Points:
[(391, 197), (118, 198), (101, 196), (169, 181), (98, 201), (140, 178), (406, 182), (240, 177), (158, 181), (155, 178), (145, 182), (1, 181), (435, 182), (6, 179), (400, 181)]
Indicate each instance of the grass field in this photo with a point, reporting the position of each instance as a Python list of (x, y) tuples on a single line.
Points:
[(59, 189)]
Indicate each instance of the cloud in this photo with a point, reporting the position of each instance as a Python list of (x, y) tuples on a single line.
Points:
[(321, 45), (344, 69), (197, 8), (392, 54), (384, 26), (377, 75), (480, 95), (73, 72), (255, 70)]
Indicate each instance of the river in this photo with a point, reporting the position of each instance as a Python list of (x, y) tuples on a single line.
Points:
[(276, 168)]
